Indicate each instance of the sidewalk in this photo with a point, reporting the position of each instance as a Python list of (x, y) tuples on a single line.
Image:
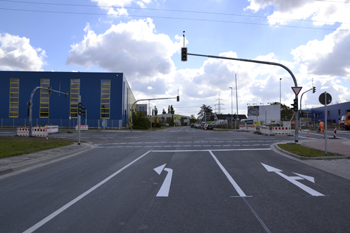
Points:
[(11, 164)]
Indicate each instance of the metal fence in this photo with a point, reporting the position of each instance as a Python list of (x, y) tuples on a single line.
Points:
[(62, 123)]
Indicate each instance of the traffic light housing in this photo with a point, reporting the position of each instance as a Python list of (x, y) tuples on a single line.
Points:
[(184, 54), (295, 105), (313, 89), (178, 98), (80, 108), (49, 90)]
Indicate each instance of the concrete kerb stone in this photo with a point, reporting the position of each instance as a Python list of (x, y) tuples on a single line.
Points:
[(21, 162), (275, 145)]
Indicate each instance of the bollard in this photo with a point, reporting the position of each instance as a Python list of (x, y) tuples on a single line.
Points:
[(335, 132)]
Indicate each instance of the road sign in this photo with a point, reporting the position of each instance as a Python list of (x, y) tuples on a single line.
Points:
[(322, 98), (296, 90), (227, 118), (293, 179)]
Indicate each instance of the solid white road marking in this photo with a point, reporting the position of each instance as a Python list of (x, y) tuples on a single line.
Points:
[(172, 151), (229, 177), (75, 200), (293, 180)]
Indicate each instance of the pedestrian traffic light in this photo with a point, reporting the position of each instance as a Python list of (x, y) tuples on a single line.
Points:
[(183, 54), (313, 89), (178, 98), (27, 111), (80, 108)]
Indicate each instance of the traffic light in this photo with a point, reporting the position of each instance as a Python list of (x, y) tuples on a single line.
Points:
[(50, 89), (65, 94), (27, 111), (80, 108), (178, 98), (183, 54), (313, 89), (295, 105)]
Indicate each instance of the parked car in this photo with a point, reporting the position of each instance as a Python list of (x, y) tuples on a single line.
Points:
[(210, 127), (202, 125), (192, 125)]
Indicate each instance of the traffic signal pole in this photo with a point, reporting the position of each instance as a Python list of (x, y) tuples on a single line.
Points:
[(253, 61), (132, 106), (30, 104), (301, 97)]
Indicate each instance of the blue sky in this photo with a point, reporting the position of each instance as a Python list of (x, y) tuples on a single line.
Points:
[(142, 39)]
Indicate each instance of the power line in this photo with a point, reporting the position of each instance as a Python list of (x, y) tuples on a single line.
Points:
[(170, 10), (165, 17)]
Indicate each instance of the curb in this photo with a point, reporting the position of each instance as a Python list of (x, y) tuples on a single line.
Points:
[(44, 160), (275, 145)]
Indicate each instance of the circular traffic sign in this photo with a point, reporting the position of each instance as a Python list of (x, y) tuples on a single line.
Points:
[(322, 98)]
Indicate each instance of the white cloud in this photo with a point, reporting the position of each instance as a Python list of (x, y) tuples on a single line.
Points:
[(328, 57), (16, 53), (133, 48), (321, 12), (109, 5)]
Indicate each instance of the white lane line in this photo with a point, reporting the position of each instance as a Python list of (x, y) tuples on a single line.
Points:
[(75, 200), (229, 177), (257, 216), (172, 151)]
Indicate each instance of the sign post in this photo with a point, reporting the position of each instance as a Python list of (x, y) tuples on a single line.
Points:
[(325, 98)]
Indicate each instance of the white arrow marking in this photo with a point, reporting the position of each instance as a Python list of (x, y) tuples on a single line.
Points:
[(164, 189), (293, 180), (159, 169), (309, 178)]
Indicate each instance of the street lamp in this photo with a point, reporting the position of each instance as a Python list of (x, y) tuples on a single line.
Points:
[(231, 106), (280, 89)]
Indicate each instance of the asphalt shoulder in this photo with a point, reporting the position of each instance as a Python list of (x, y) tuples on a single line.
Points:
[(17, 163)]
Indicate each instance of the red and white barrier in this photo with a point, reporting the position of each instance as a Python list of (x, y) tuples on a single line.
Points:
[(251, 128), (265, 130), (37, 132), (242, 127), (51, 128), (282, 130), (82, 127)]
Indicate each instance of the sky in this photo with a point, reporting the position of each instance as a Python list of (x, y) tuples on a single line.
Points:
[(143, 38)]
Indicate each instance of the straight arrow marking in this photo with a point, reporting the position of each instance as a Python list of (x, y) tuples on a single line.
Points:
[(293, 180)]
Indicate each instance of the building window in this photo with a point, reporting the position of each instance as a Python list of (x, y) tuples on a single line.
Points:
[(74, 97), (339, 112), (105, 98), (44, 99), (14, 97)]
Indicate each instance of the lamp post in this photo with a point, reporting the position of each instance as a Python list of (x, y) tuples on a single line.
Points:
[(231, 108), (280, 88)]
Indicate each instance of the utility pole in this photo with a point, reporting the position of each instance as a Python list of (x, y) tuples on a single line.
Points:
[(236, 101), (231, 108)]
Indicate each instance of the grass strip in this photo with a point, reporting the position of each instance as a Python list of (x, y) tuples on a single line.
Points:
[(305, 151), (13, 146)]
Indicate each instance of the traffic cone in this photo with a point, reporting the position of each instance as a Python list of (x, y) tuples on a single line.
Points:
[(307, 135)]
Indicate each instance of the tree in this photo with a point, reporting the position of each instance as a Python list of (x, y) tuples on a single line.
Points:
[(155, 111), (164, 112), (169, 109), (182, 120), (205, 110), (193, 119), (172, 111), (140, 121), (171, 121)]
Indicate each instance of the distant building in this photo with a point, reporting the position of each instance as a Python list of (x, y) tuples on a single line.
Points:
[(177, 118), (107, 98), (334, 112), (141, 108)]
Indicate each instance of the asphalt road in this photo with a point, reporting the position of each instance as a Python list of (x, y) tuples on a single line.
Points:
[(176, 180)]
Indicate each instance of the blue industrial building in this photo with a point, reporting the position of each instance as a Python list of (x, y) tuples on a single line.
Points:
[(334, 112), (107, 98)]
